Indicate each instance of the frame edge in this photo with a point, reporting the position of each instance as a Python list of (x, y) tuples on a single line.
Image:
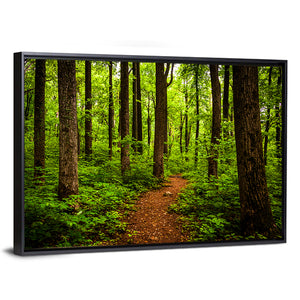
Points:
[(18, 155)]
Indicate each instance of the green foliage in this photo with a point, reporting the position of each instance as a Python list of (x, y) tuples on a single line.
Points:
[(209, 209), (93, 216)]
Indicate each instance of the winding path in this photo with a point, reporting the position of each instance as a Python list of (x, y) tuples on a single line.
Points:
[(151, 223)]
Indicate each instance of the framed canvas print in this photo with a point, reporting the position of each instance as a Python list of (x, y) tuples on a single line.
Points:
[(115, 152)]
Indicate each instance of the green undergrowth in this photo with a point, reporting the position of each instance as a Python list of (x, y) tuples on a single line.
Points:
[(92, 217), (209, 210)]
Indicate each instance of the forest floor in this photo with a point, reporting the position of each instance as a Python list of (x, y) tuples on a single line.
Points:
[(151, 222)]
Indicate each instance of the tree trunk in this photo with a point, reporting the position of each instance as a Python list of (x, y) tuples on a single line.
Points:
[(110, 113), (181, 132), (165, 133), (197, 114), (139, 109), (278, 132), (148, 122), (268, 120), (165, 95), (256, 214), (134, 110), (124, 118), (78, 141), (88, 109), (158, 167), (216, 121), (226, 94), (186, 133), (39, 120), (68, 156), (278, 127), (267, 136)]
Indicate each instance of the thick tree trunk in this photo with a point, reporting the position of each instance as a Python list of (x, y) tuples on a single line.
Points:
[(88, 109), (39, 120), (158, 167), (216, 121), (124, 118), (110, 113), (68, 155), (139, 109), (256, 214)]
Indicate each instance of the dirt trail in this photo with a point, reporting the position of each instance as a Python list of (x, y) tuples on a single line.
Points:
[(151, 223)]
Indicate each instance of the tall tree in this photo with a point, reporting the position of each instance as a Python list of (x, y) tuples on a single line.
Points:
[(110, 111), (160, 115), (165, 95), (226, 93), (216, 121), (197, 113), (134, 105), (139, 109), (39, 120), (181, 132), (267, 128), (186, 118), (124, 118), (256, 214), (277, 114), (68, 154), (88, 109), (148, 121)]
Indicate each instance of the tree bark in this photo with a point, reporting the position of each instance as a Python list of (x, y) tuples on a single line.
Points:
[(216, 121), (158, 167), (88, 109), (39, 120), (139, 109), (68, 155), (165, 95), (256, 214), (124, 118), (134, 109), (226, 94), (148, 122), (110, 113), (186, 133), (165, 103)]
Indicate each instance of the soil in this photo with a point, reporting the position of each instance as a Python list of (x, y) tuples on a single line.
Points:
[(151, 222)]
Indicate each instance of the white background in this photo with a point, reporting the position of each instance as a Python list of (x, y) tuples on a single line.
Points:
[(230, 28)]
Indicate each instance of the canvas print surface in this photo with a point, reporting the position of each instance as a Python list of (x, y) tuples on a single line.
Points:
[(144, 153)]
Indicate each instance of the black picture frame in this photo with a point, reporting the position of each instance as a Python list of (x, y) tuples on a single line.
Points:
[(19, 218)]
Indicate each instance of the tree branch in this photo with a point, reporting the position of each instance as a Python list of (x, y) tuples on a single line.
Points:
[(172, 68), (167, 70)]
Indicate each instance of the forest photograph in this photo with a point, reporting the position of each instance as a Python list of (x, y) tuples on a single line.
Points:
[(128, 153)]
